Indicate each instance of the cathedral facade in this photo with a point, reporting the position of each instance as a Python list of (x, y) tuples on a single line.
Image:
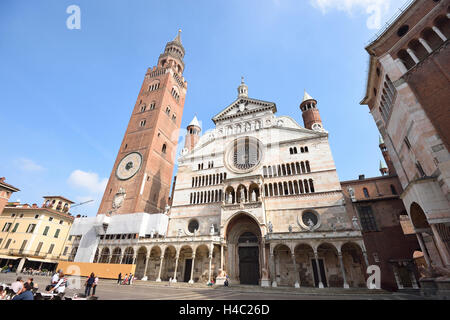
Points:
[(257, 197)]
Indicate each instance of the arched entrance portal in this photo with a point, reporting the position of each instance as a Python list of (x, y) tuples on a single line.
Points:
[(244, 249), (248, 258)]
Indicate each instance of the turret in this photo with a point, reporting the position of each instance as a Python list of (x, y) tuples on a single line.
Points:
[(387, 159), (242, 89), (383, 168), (193, 134), (310, 113)]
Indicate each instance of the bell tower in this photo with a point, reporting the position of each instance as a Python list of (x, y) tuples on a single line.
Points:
[(140, 180), (310, 113)]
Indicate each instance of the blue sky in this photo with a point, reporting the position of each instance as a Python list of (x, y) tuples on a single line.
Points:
[(66, 95)]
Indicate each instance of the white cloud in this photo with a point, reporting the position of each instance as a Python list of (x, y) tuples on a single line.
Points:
[(377, 10), (88, 181), (28, 165)]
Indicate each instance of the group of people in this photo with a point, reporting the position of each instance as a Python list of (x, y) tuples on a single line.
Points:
[(128, 279), (18, 290), (31, 271)]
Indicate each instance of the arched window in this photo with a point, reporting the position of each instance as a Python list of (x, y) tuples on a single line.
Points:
[(164, 147), (306, 149), (300, 185), (308, 169), (302, 164), (366, 192), (406, 59), (305, 182), (311, 185), (291, 151)]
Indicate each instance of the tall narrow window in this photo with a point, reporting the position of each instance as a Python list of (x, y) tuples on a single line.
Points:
[(366, 192), (164, 147), (393, 190)]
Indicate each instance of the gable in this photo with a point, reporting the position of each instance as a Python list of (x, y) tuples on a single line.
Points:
[(244, 106)]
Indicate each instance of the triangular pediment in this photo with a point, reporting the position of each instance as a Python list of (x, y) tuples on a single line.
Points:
[(243, 106)]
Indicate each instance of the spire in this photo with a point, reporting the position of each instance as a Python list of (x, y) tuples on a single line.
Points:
[(194, 123), (242, 89), (383, 165), (178, 37), (306, 97), (380, 140)]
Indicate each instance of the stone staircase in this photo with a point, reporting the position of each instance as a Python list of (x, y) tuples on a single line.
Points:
[(251, 288)]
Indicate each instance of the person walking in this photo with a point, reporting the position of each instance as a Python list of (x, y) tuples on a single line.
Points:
[(125, 280), (119, 278), (130, 279), (89, 283), (60, 286), (94, 285)]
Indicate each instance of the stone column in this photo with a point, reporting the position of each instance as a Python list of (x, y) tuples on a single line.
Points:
[(297, 277), (412, 55), (425, 45), (423, 248), (439, 33), (160, 268), (397, 278), (221, 257), (441, 246), (272, 269), (121, 259), (134, 260), (147, 258), (109, 258), (316, 257), (366, 260), (401, 65), (341, 263), (210, 262), (191, 280), (412, 276), (177, 256)]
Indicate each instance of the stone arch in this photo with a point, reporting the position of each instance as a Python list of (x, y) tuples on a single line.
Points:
[(96, 256), (168, 267), (141, 260), (245, 259), (230, 195), (332, 272), (115, 256), (201, 263), (282, 255), (104, 255), (442, 22), (154, 262), (304, 253), (184, 268), (418, 217), (128, 256), (253, 189), (239, 196), (353, 259)]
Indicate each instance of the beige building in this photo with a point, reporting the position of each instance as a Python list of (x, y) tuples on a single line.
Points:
[(408, 94), (33, 236)]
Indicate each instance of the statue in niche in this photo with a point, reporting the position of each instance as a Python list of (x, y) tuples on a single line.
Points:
[(310, 223), (254, 195), (242, 195), (290, 228), (166, 209), (119, 197), (355, 223), (351, 192), (270, 226)]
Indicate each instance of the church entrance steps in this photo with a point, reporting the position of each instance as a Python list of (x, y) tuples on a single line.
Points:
[(252, 288)]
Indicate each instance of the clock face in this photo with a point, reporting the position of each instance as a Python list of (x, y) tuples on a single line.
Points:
[(129, 166)]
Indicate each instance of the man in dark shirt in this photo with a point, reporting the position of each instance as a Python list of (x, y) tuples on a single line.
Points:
[(25, 293)]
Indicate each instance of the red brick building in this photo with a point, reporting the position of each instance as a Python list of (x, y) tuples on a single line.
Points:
[(408, 94)]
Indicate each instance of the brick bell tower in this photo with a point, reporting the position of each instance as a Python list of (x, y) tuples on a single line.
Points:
[(310, 113), (140, 180)]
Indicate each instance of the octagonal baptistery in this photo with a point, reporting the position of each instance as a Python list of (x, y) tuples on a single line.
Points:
[(257, 181)]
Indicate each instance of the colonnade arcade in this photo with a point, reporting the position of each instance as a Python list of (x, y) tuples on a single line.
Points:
[(317, 264), (163, 262)]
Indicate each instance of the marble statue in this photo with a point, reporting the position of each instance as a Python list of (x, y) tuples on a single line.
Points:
[(119, 197), (212, 230), (242, 195), (290, 228), (355, 223), (166, 209), (310, 223), (254, 196), (270, 226)]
